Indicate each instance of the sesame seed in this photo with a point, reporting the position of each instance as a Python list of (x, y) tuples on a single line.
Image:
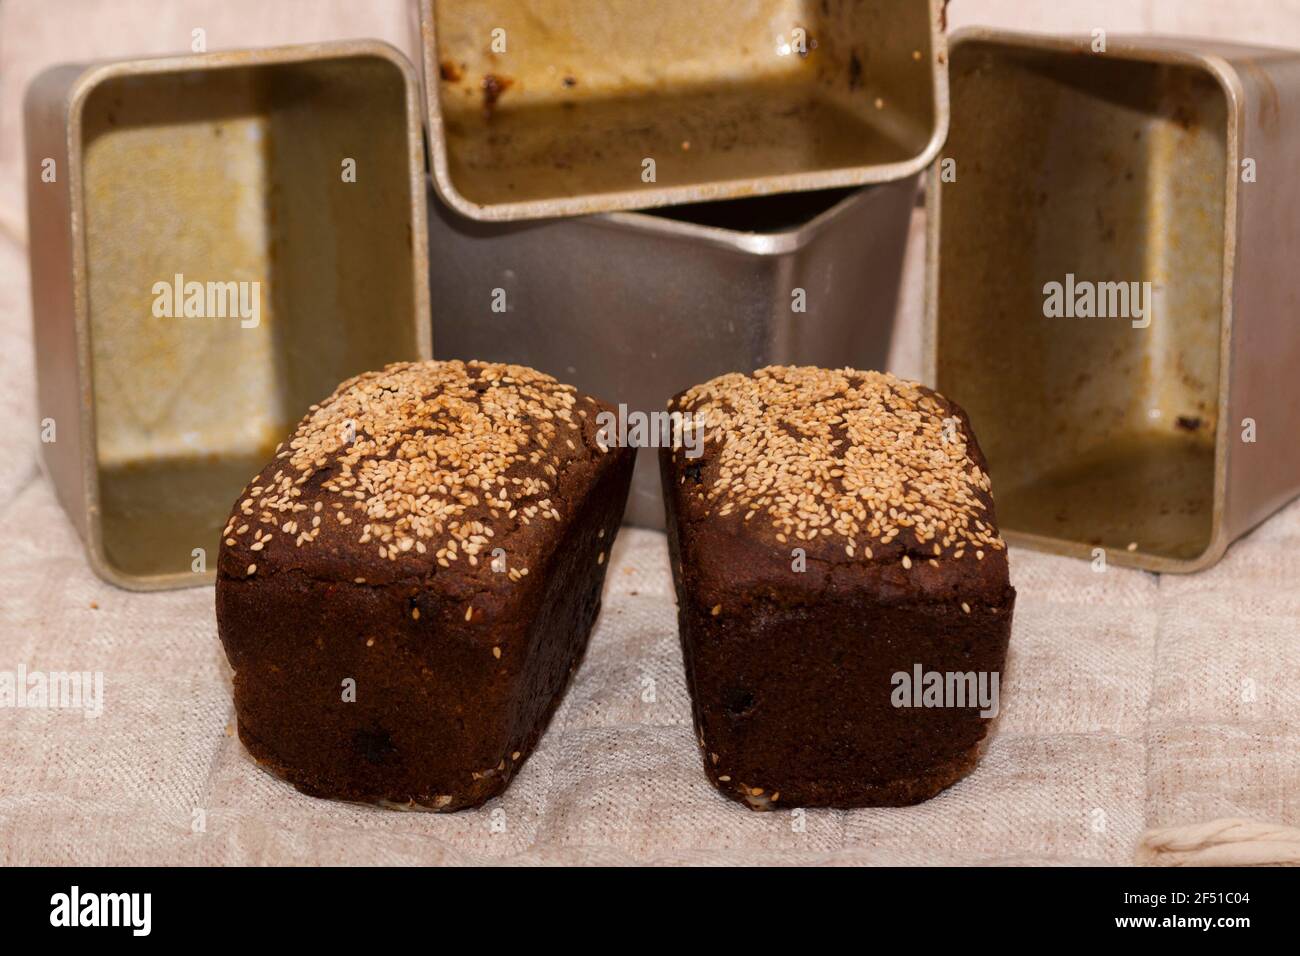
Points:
[(415, 614), (600, 559), (252, 569), (469, 612), (496, 652), (717, 609), (965, 607), (907, 562)]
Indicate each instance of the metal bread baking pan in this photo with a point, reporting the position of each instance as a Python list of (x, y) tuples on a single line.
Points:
[(566, 107), (1111, 295), (216, 241), (635, 307)]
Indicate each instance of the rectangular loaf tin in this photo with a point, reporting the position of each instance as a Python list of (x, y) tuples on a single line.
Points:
[(220, 167), (634, 307), (1158, 160), (552, 107)]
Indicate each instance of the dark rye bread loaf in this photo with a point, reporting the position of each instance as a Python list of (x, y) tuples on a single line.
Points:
[(837, 531), (434, 536)]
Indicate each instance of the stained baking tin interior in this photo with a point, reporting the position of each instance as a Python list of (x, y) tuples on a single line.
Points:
[(576, 95), (1108, 169), (234, 175)]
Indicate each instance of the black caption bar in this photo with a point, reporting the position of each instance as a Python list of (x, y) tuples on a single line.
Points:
[(135, 906)]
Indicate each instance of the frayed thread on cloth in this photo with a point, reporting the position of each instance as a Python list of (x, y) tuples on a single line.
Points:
[(1228, 842)]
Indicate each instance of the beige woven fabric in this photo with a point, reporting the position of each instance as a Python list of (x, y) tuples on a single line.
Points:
[(1131, 701)]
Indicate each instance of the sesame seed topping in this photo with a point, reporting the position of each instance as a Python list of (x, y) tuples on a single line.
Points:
[(864, 457), (423, 461)]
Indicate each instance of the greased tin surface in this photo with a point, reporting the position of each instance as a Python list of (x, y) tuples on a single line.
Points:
[(216, 241), (1110, 291), (566, 107)]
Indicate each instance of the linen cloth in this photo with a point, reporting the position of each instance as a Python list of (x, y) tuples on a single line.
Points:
[(1131, 701)]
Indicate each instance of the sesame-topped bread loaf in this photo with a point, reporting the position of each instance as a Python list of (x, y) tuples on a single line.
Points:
[(405, 590), (834, 548)]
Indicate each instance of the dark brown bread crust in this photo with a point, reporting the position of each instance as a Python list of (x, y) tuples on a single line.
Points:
[(457, 667), (790, 673)]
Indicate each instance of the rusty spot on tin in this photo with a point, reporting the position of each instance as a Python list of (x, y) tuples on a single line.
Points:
[(493, 87), (1185, 116)]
